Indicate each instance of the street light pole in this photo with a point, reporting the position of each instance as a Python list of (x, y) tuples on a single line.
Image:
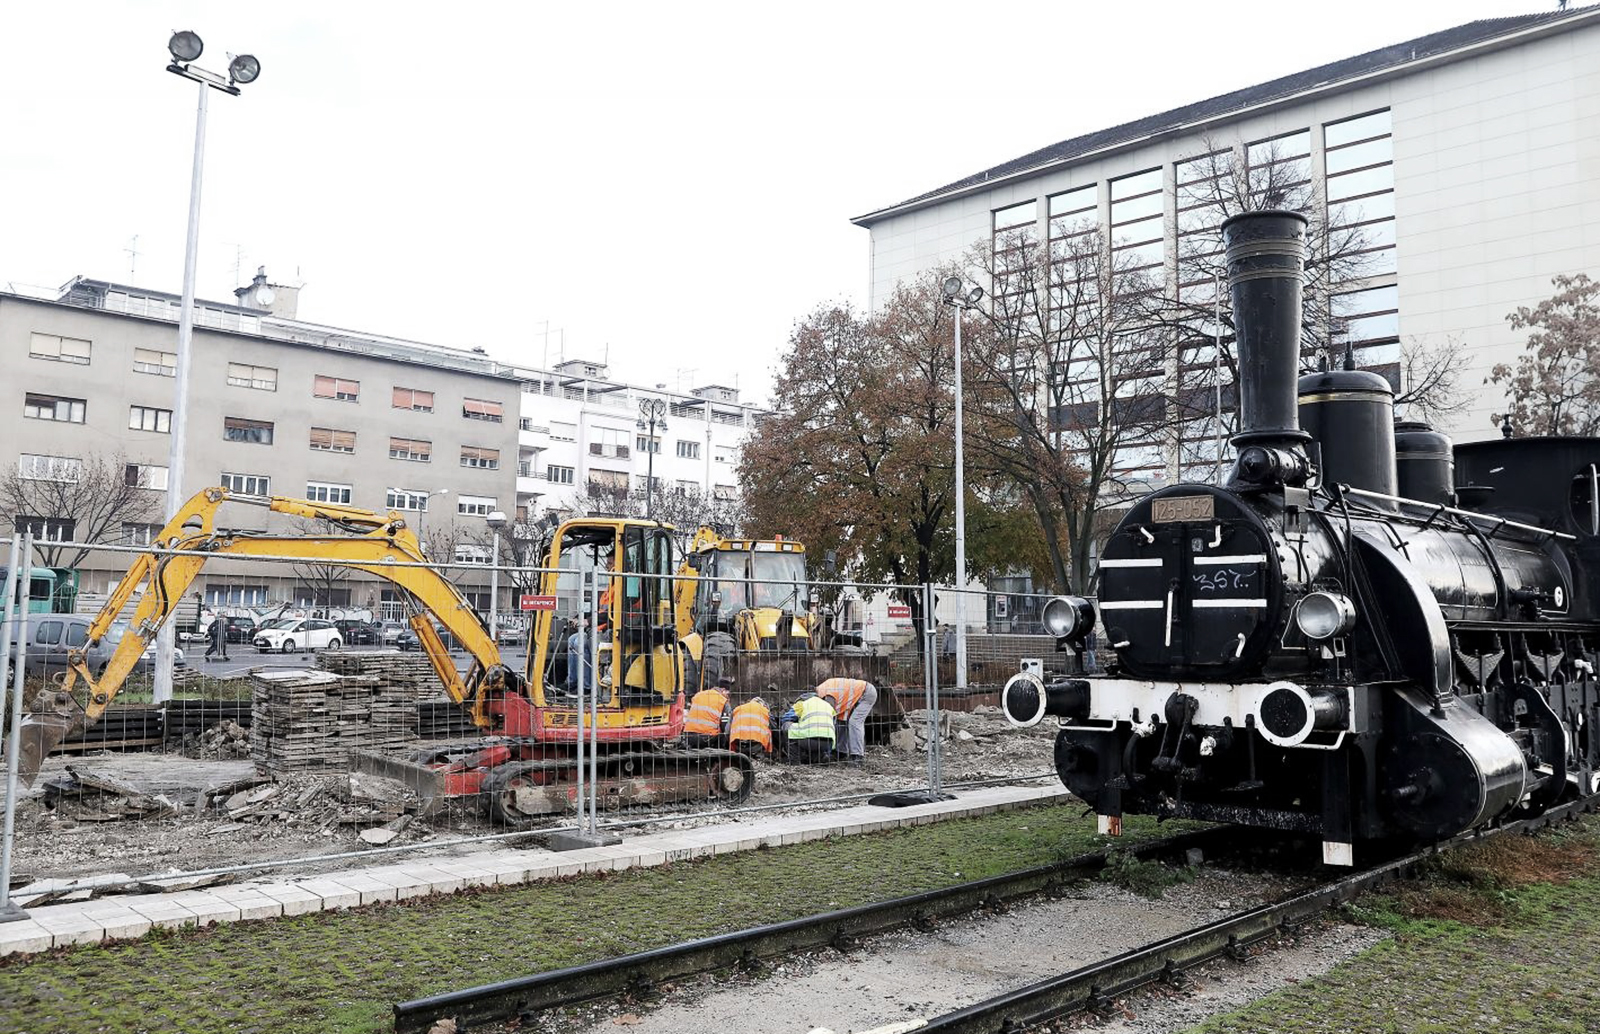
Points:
[(185, 47), (652, 414), (953, 296), (496, 521)]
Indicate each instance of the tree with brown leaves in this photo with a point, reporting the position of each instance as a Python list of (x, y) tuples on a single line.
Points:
[(1554, 386)]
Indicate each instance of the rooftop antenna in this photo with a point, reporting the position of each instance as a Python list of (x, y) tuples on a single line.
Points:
[(133, 256)]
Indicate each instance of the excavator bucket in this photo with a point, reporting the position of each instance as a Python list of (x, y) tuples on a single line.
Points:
[(40, 733), (425, 781)]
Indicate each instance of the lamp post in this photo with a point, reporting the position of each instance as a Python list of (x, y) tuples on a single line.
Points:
[(185, 48), (424, 509), (496, 521), (652, 415), (960, 303)]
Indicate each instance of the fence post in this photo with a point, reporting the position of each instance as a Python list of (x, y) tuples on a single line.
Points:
[(930, 667), (594, 709), (584, 675), (16, 576)]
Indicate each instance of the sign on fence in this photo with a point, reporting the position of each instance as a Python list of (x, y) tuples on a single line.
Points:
[(899, 611), (531, 602)]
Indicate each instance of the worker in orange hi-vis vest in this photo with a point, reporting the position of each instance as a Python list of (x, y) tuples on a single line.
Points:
[(708, 714), (852, 700), (750, 729)]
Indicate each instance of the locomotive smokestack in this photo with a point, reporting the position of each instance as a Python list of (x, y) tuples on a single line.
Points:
[(1266, 269)]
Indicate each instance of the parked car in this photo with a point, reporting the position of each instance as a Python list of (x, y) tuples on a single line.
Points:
[(291, 634), (51, 636), (360, 633), (239, 629), (391, 631), (408, 639)]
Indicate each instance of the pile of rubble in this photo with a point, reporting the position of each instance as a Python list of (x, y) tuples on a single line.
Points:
[(225, 741), (86, 797)]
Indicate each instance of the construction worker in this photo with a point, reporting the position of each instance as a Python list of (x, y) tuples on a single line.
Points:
[(811, 736), (852, 700), (708, 714), (750, 729)]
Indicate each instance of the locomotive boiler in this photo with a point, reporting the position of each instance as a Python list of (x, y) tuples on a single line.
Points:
[(1362, 634)]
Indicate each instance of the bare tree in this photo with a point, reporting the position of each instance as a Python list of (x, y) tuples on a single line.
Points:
[(1069, 383), (1430, 380), (1554, 386), (324, 582), (86, 501)]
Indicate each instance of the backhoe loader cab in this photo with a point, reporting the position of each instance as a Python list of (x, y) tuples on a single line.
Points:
[(754, 589)]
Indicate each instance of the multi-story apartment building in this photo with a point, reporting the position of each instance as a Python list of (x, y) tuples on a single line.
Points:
[(277, 406), (579, 427), (1468, 159)]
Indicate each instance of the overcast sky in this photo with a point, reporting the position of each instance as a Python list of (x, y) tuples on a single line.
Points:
[(670, 185)]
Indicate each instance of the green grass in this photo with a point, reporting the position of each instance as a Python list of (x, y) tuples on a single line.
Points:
[(1505, 937), (341, 972)]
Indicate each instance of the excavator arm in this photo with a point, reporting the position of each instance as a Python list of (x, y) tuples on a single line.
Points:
[(380, 545)]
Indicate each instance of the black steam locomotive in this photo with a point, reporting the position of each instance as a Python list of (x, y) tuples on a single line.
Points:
[(1362, 635)]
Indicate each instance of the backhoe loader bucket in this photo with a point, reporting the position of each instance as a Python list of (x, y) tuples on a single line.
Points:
[(423, 780), (40, 733)]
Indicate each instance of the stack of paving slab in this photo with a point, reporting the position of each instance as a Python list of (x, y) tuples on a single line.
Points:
[(306, 720), (395, 682)]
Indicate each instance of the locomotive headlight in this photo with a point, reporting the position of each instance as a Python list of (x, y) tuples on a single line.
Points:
[(1068, 617), (1323, 615)]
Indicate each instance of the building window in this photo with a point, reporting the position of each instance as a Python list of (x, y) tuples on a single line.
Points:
[(150, 360), (608, 480), (725, 493), (1359, 156), (688, 450), (48, 529), (251, 432), (474, 505), (472, 553), (482, 409), (145, 475), (140, 534), (61, 349), (560, 432), (410, 449), (335, 388), (686, 487), (414, 399), (486, 459), (722, 454), (328, 439), (236, 595), (53, 407), (327, 492), (65, 469), (247, 484), (644, 443), (1369, 322), (407, 499), (262, 378), (147, 418), (608, 441), (558, 475), (1138, 232)]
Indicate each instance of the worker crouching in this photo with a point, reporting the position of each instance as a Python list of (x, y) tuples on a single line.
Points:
[(750, 729), (811, 737), (852, 700), (708, 716)]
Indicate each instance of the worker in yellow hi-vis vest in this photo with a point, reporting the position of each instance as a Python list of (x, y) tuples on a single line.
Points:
[(811, 735), (852, 700)]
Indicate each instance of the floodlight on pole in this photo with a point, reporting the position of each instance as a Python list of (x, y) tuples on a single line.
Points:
[(185, 47), (652, 417), (953, 297)]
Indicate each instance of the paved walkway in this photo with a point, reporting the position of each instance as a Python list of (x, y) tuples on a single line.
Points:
[(133, 915)]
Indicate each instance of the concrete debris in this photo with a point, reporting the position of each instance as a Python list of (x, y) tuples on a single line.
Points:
[(87, 797), (377, 836), (225, 740), (446, 1026)]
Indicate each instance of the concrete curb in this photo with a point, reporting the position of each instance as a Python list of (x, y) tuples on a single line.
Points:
[(133, 915)]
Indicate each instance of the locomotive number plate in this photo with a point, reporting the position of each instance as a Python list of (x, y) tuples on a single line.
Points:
[(1175, 508)]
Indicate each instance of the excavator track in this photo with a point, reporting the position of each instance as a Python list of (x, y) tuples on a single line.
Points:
[(521, 792)]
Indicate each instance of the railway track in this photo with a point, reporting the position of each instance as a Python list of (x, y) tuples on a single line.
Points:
[(1085, 988), (632, 974)]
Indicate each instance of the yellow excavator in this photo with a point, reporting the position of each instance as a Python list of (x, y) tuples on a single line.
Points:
[(525, 766), (753, 589)]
